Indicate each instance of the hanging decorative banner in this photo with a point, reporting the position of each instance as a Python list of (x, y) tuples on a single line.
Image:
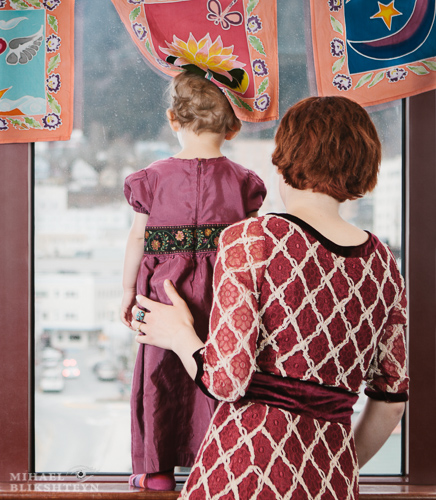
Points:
[(231, 42), (36, 70), (374, 51)]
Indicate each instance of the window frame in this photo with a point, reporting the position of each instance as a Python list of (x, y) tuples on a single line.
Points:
[(17, 317)]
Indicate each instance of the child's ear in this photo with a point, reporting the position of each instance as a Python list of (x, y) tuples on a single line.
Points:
[(237, 124), (231, 135), (174, 123)]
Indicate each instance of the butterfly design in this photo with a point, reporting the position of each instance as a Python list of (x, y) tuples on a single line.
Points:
[(223, 17)]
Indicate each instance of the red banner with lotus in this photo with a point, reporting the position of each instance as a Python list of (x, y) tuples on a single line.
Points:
[(231, 42)]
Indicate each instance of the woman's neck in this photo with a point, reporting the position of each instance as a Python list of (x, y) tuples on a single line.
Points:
[(322, 213), (310, 204), (205, 145)]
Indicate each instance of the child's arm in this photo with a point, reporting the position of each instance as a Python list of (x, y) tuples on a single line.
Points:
[(132, 260)]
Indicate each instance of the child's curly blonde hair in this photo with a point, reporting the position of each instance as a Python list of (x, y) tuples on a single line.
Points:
[(200, 106)]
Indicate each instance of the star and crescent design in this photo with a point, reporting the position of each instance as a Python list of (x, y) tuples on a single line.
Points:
[(386, 13), (403, 41)]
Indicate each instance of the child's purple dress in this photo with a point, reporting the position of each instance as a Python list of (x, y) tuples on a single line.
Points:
[(189, 203)]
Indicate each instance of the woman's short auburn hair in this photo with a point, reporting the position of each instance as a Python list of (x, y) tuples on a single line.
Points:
[(199, 105), (329, 145)]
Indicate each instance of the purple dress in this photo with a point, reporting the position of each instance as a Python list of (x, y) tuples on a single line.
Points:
[(189, 203)]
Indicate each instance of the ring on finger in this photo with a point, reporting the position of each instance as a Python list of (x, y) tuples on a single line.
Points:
[(140, 315), (139, 329)]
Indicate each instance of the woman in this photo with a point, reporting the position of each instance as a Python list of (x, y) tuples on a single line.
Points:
[(306, 307)]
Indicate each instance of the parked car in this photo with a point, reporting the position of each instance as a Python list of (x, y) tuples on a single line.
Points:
[(70, 370), (51, 358), (52, 380), (106, 370)]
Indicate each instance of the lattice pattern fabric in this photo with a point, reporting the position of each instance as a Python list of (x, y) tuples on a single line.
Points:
[(289, 302), (259, 452)]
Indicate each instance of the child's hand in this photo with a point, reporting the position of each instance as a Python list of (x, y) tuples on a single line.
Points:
[(127, 302)]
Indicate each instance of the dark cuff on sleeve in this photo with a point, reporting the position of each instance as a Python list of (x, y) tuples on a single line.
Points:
[(140, 210), (388, 397), (198, 358)]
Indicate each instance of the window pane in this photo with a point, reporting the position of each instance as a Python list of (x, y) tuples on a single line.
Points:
[(381, 213), (84, 355)]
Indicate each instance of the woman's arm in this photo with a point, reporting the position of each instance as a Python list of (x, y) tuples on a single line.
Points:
[(387, 382), (132, 260), (169, 327), (374, 426)]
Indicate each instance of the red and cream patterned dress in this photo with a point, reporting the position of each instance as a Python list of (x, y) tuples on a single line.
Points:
[(293, 306)]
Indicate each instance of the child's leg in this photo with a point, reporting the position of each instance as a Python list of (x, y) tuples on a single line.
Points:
[(162, 481)]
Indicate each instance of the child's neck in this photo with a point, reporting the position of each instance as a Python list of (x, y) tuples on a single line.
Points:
[(205, 145)]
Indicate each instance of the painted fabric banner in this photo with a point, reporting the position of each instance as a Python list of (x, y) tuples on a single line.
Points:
[(231, 42), (374, 51), (36, 70)]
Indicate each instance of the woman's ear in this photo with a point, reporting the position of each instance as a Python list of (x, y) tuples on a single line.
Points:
[(174, 123)]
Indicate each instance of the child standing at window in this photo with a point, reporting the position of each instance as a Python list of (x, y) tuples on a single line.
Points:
[(182, 204)]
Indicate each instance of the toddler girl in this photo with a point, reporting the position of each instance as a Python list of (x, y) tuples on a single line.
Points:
[(181, 206)]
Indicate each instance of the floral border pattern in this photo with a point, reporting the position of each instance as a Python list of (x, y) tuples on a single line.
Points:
[(182, 239), (254, 25), (52, 119)]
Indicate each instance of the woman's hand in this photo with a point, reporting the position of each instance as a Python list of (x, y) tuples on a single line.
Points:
[(168, 327)]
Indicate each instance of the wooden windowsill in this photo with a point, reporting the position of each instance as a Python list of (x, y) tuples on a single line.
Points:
[(110, 489)]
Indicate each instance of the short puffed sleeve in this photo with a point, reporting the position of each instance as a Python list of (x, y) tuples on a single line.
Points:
[(138, 193), (254, 193)]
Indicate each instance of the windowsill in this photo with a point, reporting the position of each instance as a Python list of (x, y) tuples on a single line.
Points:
[(114, 488)]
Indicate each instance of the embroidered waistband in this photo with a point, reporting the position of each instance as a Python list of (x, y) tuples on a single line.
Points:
[(181, 239), (304, 398)]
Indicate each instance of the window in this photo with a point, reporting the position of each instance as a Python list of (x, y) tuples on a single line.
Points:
[(85, 236), (420, 247)]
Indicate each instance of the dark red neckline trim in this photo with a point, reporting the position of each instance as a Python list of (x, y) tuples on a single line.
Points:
[(366, 248)]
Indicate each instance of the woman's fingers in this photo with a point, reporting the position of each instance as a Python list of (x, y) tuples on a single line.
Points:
[(169, 290), (142, 339), (160, 324), (147, 303), (172, 293)]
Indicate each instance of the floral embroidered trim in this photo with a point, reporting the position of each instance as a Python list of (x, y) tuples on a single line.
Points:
[(177, 239)]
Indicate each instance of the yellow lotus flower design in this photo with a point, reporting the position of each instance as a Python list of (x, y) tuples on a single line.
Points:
[(206, 55)]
